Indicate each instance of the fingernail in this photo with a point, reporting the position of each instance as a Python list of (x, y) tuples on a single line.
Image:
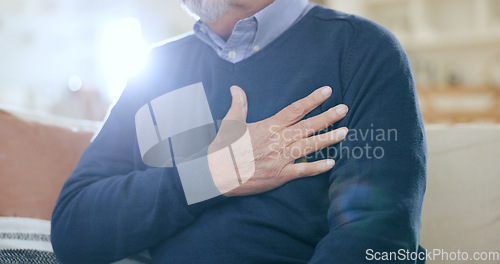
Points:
[(234, 91), (330, 163), (341, 109), (342, 133), (327, 91)]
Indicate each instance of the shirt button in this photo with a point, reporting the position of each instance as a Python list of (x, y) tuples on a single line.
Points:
[(256, 48), (232, 54)]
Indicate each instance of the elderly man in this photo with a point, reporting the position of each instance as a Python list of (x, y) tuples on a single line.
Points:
[(292, 68)]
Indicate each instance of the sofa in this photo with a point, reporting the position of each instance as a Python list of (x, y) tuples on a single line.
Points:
[(37, 154), (461, 210)]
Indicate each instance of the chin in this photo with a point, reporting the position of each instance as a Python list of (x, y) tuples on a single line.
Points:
[(207, 11)]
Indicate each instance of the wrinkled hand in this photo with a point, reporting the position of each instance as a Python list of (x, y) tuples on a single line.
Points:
[(252, 158)]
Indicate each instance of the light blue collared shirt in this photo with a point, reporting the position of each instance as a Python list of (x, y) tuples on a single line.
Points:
[(254, 33)]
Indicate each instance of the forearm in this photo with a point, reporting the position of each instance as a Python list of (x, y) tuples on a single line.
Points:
[(378, 209), (117, 216), (353, 247)]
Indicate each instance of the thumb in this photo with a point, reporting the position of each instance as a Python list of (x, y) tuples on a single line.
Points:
[(239, 106)]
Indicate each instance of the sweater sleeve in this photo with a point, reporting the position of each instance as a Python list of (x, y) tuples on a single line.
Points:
[(113, 206), (378, 183)]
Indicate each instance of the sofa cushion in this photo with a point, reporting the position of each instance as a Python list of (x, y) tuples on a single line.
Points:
[(37, 154), (462, 202)]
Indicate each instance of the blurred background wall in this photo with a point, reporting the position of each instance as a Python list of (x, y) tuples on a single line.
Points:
[(72, 57)]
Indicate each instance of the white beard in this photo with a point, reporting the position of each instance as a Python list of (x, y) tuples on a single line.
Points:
[(207, 10)]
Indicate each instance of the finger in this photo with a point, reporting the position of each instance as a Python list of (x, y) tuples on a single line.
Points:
[(297, 110), (309, 145), (306, 128), (239, 107), (298, 170)]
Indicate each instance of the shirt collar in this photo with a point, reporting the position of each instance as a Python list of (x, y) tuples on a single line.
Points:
[(276, 18), (272, 21)]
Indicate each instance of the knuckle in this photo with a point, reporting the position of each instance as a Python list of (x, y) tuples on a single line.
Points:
[(298, 130), (318, 144), (318, 96), (296, 109), (332, 113), (300, 146), (304, 126), (300, 170), (310, 149), (307, 149), (326, 140), (293, 152)]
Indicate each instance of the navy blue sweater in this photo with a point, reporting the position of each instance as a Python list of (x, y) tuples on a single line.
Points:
[(113, 205)]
